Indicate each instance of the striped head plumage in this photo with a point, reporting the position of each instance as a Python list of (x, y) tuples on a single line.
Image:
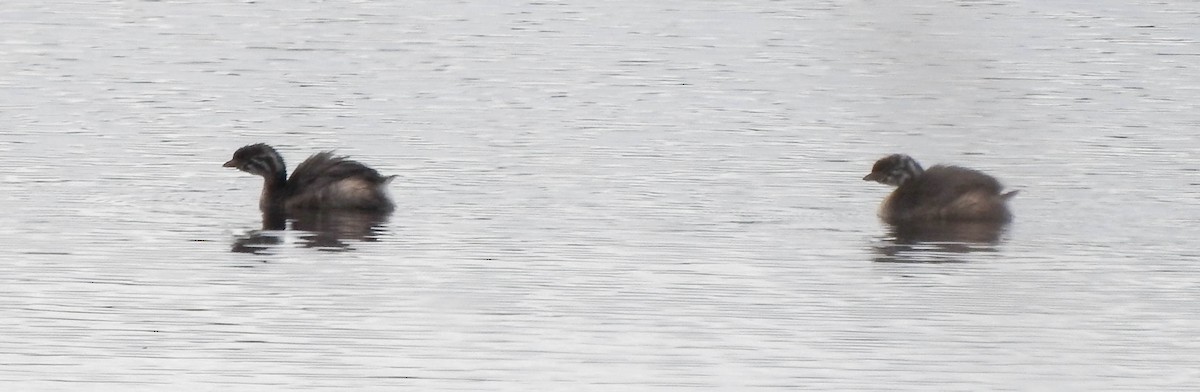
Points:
[(894, 170), (259, 159)]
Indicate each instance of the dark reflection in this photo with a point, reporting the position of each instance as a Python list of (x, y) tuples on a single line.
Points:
[(938, 242), (331, 230)]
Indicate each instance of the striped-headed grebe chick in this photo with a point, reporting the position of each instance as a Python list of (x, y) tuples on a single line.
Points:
[(323, 181), (941, 193)]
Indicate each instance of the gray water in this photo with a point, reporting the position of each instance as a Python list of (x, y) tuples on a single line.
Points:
[(621, 195)]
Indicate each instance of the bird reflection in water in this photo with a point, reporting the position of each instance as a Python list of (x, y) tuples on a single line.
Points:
[(938, 242), (327, 230)]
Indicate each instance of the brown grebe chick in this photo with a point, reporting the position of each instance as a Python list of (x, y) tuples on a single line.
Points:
[(323, 181), (941, 193)]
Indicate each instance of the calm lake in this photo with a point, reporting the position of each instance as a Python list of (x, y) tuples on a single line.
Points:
[(598, 196)]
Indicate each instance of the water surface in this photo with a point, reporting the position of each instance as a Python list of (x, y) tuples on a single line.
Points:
[(619, 196)]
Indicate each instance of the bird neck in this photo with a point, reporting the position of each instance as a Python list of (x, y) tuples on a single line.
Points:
[(278, 180), (274, 189)]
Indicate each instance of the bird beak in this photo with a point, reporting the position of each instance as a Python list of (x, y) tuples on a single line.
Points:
[(871, 177), (229, 164)]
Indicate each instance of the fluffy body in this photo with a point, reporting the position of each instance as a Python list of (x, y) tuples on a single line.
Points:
[(323, 181)]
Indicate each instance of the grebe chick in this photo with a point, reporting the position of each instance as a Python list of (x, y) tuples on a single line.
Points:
[(323, 181), (941, 193)]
